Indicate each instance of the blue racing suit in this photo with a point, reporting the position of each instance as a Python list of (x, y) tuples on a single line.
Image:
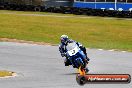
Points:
[(62, 49)]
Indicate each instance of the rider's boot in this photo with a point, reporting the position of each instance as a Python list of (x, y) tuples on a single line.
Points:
[(86, 70)]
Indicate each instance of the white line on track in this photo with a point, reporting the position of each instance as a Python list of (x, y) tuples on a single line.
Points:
[(112, 50), (100, 49), (123, 51)]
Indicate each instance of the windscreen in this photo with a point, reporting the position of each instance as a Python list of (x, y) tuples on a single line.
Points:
[(71, 46)]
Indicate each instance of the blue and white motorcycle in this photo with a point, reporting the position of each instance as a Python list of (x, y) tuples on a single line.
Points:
[(77, 57)]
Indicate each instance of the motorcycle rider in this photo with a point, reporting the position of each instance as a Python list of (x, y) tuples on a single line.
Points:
[(62, 48)]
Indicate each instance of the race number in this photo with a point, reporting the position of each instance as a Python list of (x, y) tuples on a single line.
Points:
[(73, 51)]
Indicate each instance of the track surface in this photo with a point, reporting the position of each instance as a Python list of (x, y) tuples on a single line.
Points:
[(40, 66)]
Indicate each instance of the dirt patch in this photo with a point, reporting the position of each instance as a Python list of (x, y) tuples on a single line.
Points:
[(24, 41)]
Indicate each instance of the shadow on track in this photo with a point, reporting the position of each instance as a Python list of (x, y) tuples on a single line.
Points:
[(70, 74)]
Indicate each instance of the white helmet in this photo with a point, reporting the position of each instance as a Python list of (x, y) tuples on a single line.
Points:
[(64, 39)]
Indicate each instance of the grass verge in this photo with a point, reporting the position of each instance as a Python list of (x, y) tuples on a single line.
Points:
[(93, 32)]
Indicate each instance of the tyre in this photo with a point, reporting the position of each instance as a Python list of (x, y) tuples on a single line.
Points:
[(81, 80)]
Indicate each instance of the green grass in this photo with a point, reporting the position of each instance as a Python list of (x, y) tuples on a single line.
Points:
[(93, 32), (32, 12)]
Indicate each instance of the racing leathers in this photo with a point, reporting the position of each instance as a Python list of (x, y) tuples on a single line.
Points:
[(62, 49)]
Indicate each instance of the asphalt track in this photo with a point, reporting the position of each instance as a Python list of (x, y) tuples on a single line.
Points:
[(40, 66)]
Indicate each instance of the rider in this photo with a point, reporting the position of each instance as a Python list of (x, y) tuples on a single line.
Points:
[(62, 48)]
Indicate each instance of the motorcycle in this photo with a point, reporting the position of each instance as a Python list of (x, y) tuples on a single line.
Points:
[(76, 58)]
